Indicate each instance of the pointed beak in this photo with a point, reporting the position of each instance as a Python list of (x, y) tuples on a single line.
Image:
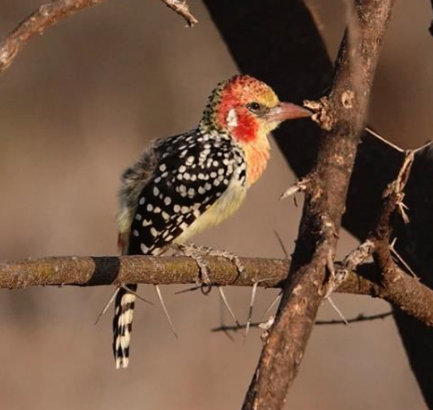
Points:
[(287, 111)]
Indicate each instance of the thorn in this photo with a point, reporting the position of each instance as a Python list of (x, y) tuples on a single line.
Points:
[(192, 289), (222, 321), (331, 302), (250, 310), (375, 134), (273, 303), (136, 294), (280, 241), (226, 304), (402, 208), (107, 305), (164, 308), (331, 283), (299, 186), (400, 259)]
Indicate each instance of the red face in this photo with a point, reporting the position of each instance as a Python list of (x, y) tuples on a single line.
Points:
[(243, 106), (249, 109)]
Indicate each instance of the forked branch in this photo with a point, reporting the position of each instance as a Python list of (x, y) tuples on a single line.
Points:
[(342, 117)]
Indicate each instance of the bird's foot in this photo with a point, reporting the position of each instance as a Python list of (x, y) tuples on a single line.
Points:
[(197, 253)]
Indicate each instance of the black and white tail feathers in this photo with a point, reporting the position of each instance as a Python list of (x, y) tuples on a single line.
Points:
[(122, 324)]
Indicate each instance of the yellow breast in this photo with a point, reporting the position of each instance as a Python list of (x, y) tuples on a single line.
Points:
[(225, 206)]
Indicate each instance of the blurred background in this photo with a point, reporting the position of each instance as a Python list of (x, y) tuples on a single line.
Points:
[(76, 108)]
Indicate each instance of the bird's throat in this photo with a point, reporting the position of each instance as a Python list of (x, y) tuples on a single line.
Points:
[(257, 156)]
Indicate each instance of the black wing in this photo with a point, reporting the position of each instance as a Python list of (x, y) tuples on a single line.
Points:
[(192, 171)]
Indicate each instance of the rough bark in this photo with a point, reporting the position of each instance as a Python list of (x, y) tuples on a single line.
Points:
[(279, 42), (342, 115)]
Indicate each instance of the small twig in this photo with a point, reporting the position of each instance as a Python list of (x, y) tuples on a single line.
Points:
[(360, 318), (392, 200), (45, 16), (181, 8)]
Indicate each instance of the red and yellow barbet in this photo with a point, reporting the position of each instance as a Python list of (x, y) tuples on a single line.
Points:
[(184, 184)]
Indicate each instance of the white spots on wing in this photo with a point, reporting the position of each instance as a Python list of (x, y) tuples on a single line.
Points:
[(138, 217), (191, 192), (146, 222), (144, 248), (165, 216), (149, 207), (167, 200), (136, 233), (155, 191), (162, 167), (154, 232), (176, 208), (201, 190), (182, 190), (141, 201)]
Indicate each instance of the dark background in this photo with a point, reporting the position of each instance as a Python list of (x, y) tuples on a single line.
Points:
[(77, 107)]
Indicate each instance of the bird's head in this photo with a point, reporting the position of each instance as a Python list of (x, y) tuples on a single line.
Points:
[(247, 109)]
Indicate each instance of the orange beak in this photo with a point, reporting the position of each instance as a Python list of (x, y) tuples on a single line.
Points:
[(287, 111)]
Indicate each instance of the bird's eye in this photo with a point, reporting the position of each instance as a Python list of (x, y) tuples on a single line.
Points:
[(257, 108)]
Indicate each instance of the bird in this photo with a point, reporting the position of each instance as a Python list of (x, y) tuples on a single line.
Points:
[(186, 183)]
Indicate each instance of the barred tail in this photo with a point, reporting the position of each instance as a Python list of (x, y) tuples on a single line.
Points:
[(122, 325)]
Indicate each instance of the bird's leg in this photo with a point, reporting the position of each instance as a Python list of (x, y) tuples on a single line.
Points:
[(197, 252)]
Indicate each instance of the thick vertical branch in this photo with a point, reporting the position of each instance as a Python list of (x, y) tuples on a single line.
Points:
[(343, 116)]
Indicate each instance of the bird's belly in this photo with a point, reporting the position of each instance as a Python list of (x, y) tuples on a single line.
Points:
[(225, 206)]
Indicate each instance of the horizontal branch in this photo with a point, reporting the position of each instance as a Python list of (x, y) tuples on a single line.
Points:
[(169, 270)]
